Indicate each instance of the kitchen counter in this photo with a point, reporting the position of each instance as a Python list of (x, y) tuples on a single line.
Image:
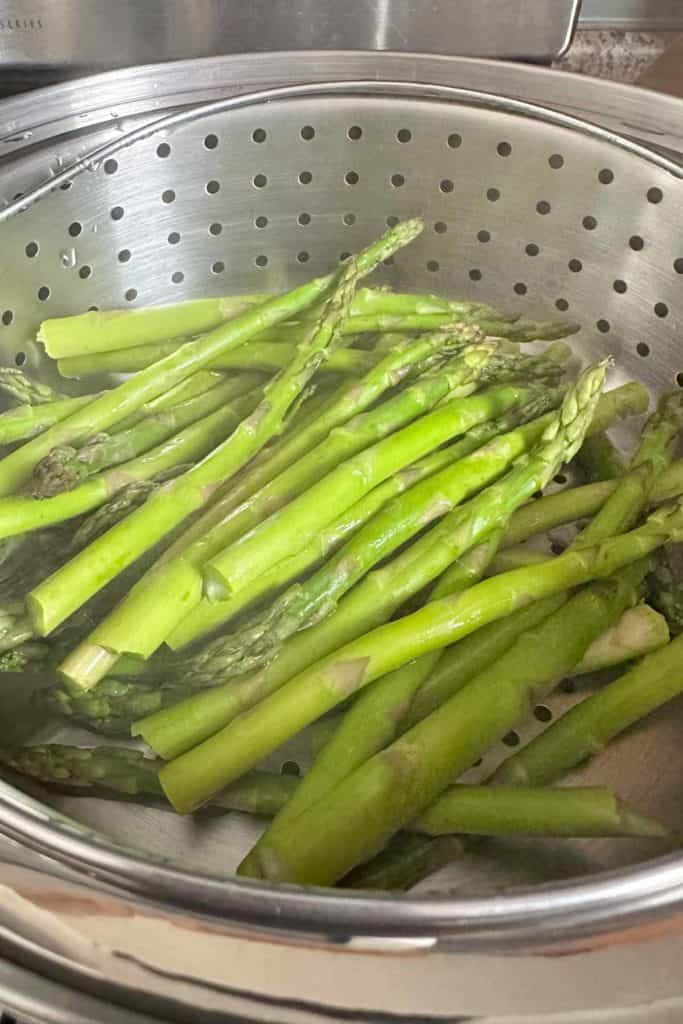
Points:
[(617, 54)]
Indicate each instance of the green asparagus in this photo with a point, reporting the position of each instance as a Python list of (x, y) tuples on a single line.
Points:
[(26, 390), (470, 525), (165, 510), (94, 332), (639, 631), (20, 514), (303, 605), (587, 811), (256, 357), (587, 727), (398, 783), (64, 468), (176, 729), (288, 531), (354, 398)]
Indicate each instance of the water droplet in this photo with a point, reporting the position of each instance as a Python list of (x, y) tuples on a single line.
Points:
[(68, 258)]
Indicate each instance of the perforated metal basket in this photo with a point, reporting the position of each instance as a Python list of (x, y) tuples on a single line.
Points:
[(541, 193)]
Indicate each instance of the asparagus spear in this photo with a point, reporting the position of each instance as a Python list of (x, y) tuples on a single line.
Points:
[(404, 517), (639, 631), (396, 784), (174, 730), (587, 727), (519, 331), (256, 357), (469, 525), (93, 332), (20, 514), (26, 421), (273, 539), (264, 352), (291, 529), (98, 331), (347, 435), (384, 708), (208, 615), (26, 390), (600, 460), (64, 468), (371, 722), (115, 405), (589, 811), (407, 858), (353, 399), (90, 570), (617, 514), (581, 502)]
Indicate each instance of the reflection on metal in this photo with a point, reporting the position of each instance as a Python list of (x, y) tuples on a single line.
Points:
[(95, 34), (639, 15)]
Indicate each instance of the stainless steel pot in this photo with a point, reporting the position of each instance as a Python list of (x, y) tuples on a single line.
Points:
[(541, 191), (74, 36)]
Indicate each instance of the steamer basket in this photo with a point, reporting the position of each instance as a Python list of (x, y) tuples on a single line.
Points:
[(215, 177)]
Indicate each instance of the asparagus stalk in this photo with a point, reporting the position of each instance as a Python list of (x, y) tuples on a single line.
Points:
[(165, 510), (519, 331), (399, 782), (113, 406), (293, 527), (372, 721), (581, 502), (404, 517), (586, 811), (64, 468), (278, 536), (175, 730), (496, 810), (97, 331), (26, 390), (27, 421), (589, 726), (20, 514), (353, 399), (639, 631), (383, 708), (600, 460), (230, 517), (256, 357), (94, 332), (618, 513), (265, 352), (208, 615), (469, 525)]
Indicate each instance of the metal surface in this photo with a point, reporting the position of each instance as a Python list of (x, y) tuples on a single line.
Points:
[(525, 207), (636, 15), (77, 35)]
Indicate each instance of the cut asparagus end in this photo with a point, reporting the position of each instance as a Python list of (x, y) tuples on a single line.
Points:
[(215, 586), (84, 667), (639, 631)]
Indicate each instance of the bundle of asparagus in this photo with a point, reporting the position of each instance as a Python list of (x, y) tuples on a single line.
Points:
[(318, 499)]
